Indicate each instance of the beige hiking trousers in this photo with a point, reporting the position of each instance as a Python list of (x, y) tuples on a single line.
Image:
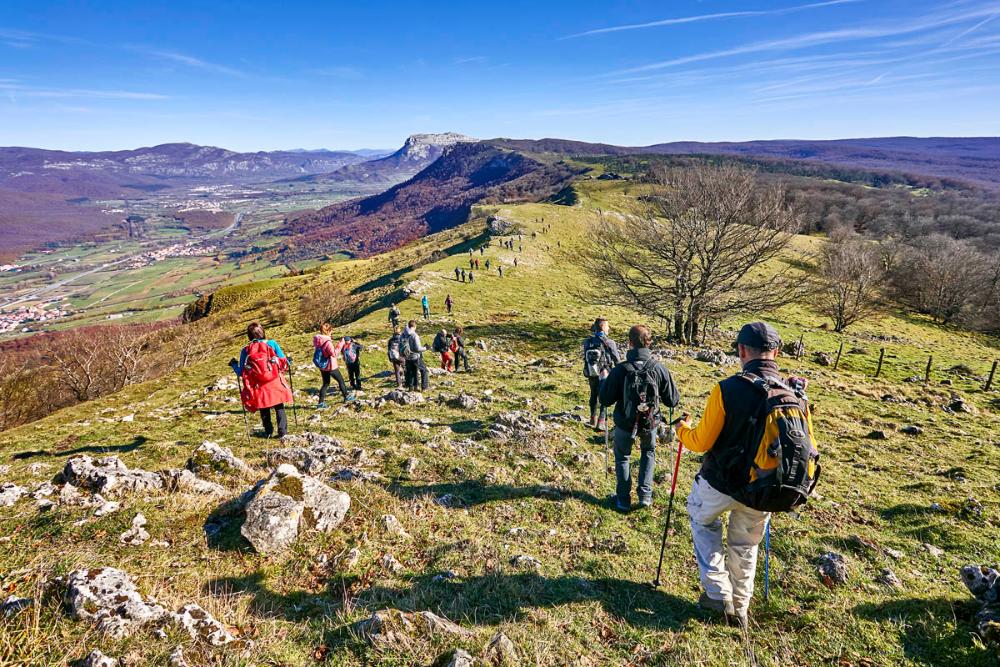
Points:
[(729, 574)]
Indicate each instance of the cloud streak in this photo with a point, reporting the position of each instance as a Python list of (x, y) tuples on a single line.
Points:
[(17, 90), (710, 17), (193, 62)]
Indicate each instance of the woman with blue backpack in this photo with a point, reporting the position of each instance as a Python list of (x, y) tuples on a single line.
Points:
[(325, 357), (263, 385)]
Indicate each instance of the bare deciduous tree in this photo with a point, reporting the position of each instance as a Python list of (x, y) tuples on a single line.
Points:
[(941, 276), (694, 248), (852, 271)]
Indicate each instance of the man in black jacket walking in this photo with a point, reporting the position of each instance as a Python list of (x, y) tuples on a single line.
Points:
[(600, 355), (619, 389)]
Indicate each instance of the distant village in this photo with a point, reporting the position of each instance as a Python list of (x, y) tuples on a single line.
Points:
[(14, 320)]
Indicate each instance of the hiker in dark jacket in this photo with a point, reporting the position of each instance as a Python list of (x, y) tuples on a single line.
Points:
[(614, 391), (447, 300), (458, 272), (472, 278), (727, 572), (352, 359), (461, 356), (394, 316), (604, 356), (413, 353), (395, 358)]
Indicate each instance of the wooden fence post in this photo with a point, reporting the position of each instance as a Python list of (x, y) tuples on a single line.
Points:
[(839, 351), (800, 348), (989, 380), (881, 354), (927, 372)]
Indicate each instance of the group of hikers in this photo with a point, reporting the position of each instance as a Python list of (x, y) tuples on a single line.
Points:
[(755, 433)]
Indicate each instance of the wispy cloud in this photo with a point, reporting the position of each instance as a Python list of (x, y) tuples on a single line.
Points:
[(17, 90), (339, 72), (192, 61), (471, 59), (931, 22), (711, 17)]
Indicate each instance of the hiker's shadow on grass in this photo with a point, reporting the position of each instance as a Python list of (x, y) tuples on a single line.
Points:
[(473, 492), (932, 631), (222, 528), (294, 606), (137, 442)]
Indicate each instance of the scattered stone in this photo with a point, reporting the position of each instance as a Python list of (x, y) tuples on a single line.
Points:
[(936, 552), (717, 357), (38, 468), (136, 535), (517, 424), (526, 562), (98, 659), (202, 626), (823, 358), (911, 429), (858, 350), (501, 651), (212, 458), (315, 454), (108, 597), (105, 506), (449, 501), (397, 628), (44, 490), (795, 348), (889, 579), (401, 397), (500, 226), (10, 493), (391, 525), (984, 584), (4, 469), (455, 658), (444, 576), (464, 402), (185, 481), (109, 476), (481, 344), (410, 465), (832, 568), (877, 435), (288, 503), (176, 658), (895, 554), (961, 405), (389, 562), (352, 474), (972, 510), (351, 558), (14, 605)]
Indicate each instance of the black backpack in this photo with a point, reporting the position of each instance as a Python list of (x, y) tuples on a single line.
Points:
[(594, 361), (641, 396), (781, 465)]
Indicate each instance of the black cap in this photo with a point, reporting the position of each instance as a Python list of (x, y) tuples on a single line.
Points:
[(759, 335)]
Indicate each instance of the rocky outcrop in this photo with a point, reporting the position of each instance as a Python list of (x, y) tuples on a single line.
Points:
[(10, 493), (832, 568), (109, 476), (311, 453), (211, 458), (984, 584), (287, 504), (398, 628), (516, 424)]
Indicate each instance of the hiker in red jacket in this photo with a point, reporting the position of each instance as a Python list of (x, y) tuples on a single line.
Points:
[(261, 367)]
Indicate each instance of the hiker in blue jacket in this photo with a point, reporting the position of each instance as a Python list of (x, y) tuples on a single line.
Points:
[(425, 302)]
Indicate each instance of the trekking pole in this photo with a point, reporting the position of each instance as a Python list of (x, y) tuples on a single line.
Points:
[(291, 386), (607, 450), (767, 561), (670, 509), (246, 422)]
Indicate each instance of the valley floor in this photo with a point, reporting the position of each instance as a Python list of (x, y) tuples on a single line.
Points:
[(471, 504)]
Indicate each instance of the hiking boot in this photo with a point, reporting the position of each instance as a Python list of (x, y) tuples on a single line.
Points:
[(739, 619), (350, 398), (645, 503), (724, 607), (593, 421), (322, 406), (620, 506), (601, 426)]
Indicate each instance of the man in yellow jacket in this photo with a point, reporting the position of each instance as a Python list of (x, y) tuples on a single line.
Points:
[(727, 576)]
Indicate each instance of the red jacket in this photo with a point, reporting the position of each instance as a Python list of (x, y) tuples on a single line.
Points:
[(270, 393)]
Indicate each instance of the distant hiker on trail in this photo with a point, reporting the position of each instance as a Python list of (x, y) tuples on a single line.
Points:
[(413, 354), (500, 270), (395, 358), (325, 359), (442, 345), (394, 316), (448, 303), (426, 305), (261, 368), (461, 357), (637, 387), (477, 264), (487, 265), (463, 275), (731, 481), (515, 262), (352, 359), (600, 355), (457, 273), (480, 250), (471, 278), (472, 264)]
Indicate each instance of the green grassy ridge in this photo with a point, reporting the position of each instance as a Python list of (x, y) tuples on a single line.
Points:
[(588, 603)]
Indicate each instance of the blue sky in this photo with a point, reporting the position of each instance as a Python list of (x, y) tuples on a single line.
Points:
[(266, 75)]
